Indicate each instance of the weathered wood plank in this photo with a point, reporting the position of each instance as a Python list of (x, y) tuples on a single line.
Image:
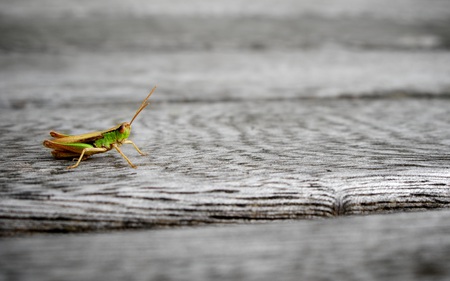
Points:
[(412, 246), (204, 25), (233, 162)]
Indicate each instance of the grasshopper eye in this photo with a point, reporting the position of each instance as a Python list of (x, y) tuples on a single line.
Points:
[(122, 128)]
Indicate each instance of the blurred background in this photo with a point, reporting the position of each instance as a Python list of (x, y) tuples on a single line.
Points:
[(221, 50)]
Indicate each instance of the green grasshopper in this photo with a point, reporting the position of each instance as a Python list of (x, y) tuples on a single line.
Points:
[(85, 145)]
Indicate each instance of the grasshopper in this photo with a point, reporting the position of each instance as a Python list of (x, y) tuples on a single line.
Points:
[(84, 145)]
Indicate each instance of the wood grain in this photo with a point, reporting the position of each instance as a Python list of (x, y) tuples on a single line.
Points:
[(229, 162), (408, 246)]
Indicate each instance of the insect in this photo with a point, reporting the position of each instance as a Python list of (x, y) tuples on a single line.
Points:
[(84, 145)]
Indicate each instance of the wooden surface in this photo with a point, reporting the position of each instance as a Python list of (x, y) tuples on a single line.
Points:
[(232, 162), (406, 246), (266, 111)]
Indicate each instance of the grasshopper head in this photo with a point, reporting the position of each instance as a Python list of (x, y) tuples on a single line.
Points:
[(124, 130)]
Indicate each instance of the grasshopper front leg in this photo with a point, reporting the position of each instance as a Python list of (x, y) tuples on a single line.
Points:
[(135, 147), (88, 149)]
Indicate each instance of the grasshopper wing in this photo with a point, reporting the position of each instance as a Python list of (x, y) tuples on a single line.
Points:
[(73, 147), (57, 135), (83, 138)]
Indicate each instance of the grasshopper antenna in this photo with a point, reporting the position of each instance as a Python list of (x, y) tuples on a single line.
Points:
[(143, 105)]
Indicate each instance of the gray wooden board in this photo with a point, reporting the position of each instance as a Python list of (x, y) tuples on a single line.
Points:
[(408, 246), (141, 25), (229, 162)]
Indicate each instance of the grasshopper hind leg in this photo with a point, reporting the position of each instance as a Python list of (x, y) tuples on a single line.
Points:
[(57, 154)]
